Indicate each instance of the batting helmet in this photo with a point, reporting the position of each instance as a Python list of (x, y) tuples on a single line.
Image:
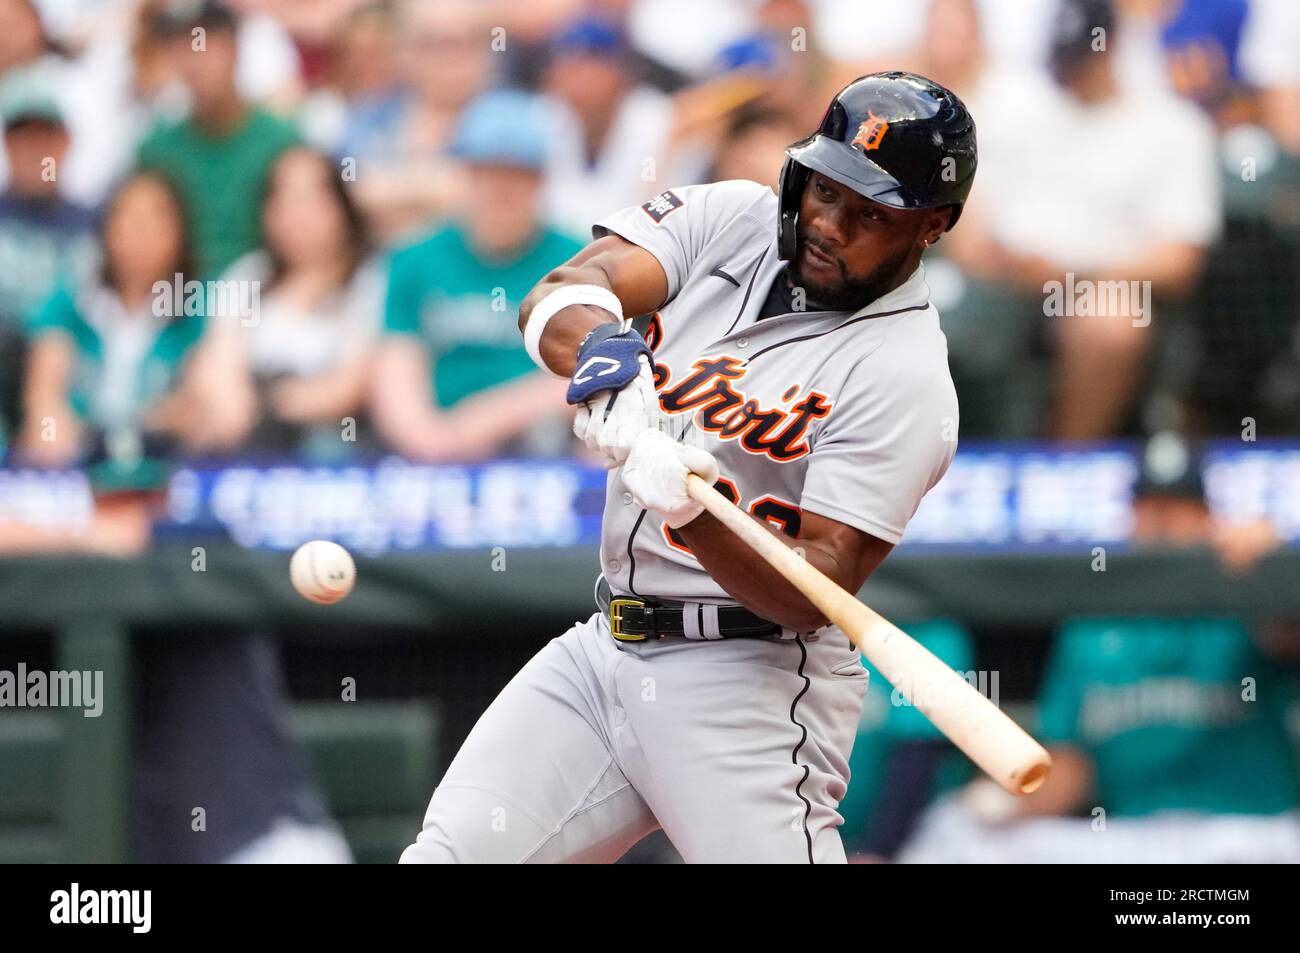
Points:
[(897, 138)]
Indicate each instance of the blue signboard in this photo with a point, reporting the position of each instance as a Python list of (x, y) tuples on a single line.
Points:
[(1027, 496)]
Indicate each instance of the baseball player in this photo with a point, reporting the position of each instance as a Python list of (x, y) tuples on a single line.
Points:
[(793, 359)]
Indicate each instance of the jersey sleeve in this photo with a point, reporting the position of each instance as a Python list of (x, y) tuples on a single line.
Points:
[(57, 313), (889, 438), (675, 226), (402, 296)]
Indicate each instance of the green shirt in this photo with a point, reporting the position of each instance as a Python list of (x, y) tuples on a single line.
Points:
[(1161, 707), (222, 181), (465, 309)]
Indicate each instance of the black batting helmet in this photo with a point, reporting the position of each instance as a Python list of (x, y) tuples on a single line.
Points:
[(897, 138)]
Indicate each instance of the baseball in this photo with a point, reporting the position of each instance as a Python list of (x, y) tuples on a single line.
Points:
[(322, 571)]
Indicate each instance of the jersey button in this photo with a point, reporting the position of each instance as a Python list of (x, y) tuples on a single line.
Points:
[(627, 499), (743, 342), (615, 565)]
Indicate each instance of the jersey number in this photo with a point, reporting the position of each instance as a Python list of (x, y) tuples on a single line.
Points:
[(784, 516)]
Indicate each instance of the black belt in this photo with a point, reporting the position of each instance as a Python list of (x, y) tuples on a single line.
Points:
[(636, 620)]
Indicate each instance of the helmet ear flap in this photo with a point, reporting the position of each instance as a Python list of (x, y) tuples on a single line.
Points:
[(794, 179)]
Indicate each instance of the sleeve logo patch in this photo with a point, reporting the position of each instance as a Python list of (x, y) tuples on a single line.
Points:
[(662, 205)]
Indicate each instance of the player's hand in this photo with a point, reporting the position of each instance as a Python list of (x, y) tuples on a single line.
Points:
[(655, 474), (611, 420)]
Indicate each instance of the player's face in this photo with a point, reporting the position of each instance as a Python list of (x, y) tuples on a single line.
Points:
[(852, 250)]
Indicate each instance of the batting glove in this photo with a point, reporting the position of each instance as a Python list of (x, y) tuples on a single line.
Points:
[(614, 388), (655, 474)]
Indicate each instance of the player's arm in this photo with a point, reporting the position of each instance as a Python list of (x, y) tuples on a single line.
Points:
[(628, 271), (573, 325), (844, 554), (656, 473)]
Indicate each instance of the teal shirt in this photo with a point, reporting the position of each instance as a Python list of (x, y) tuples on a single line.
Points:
[(223, 181), (65, 311), (465, 309), (1158, 704)]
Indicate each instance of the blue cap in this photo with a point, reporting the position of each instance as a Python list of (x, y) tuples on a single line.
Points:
[(504, 127), (756, 52), (590, 36)]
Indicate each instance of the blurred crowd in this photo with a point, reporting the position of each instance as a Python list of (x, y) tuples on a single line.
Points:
[(305, 227)]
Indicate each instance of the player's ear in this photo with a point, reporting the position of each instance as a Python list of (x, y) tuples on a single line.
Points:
[(935, 224)]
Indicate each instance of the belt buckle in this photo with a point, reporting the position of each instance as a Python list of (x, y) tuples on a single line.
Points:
[(616, 607)]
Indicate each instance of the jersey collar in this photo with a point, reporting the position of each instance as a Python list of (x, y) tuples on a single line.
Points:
[(912, 293)]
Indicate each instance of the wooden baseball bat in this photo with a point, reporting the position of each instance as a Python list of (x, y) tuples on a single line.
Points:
[(971, 721)]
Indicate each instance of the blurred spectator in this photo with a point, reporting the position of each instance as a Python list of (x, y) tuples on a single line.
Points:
[(361, 90), (532, 25), (267, 68), (453, 381), (1269, 61), (404, 178), (1180, 723), (109, 382), (1169, 744), (753, 146), (684, 35), (988, 319), (313, 26), (125, 80), (805, 76), (1096, 183), (777, 74), (609, 143), (954, 51), (107, 355), (1169, 734), (300, 363), (1170, 508), (27, 49), (220, 154), (42, 234), (1201, 40), (23, 39)]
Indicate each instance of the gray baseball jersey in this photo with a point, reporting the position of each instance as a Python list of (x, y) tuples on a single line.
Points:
[(851, 416), (737, 748)]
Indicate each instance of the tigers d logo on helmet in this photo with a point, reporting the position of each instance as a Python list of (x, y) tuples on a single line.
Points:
[(870, 133)]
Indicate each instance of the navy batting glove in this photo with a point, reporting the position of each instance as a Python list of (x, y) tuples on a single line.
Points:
[(608, 359)]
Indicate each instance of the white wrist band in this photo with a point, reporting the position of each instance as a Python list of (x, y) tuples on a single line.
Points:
[(559, 299)]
